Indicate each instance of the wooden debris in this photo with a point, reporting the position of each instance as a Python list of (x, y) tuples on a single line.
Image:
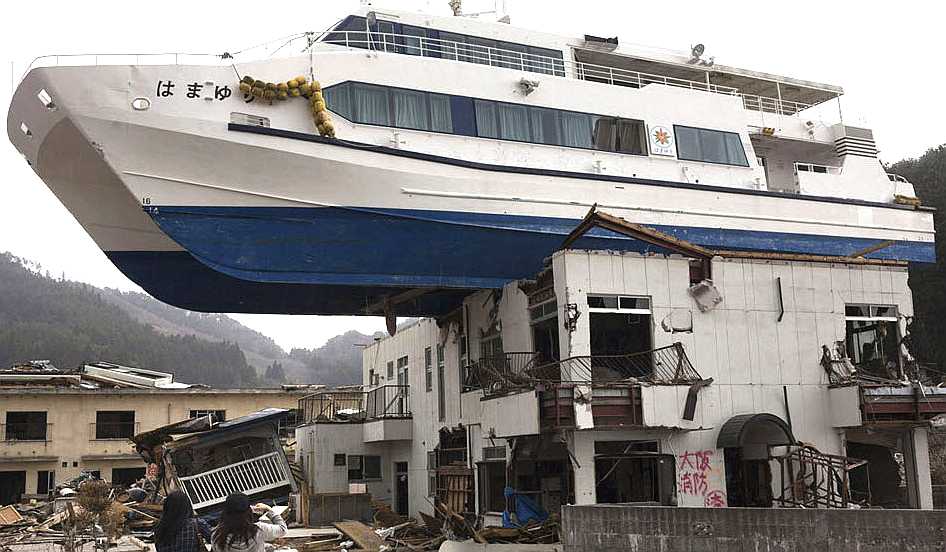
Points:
[(9, 515), (361, 534)]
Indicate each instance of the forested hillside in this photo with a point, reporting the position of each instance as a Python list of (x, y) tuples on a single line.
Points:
[(928, 281), (70, 323)]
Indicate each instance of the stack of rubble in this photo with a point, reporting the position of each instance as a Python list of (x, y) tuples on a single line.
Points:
[(72, 519), (391, 532)]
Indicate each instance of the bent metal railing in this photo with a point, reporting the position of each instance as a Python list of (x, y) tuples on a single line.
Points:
[(386, 401), (249, 477), (666, 365), (496, 372)]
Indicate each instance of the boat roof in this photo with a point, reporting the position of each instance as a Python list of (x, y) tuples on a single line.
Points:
[(631, 57)]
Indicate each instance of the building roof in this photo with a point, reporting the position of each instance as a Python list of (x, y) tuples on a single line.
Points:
[(42, 377)]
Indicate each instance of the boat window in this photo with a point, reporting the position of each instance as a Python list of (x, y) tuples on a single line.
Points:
[(420, 110), (486, 124), (629, 137), (410, 109), (382, 36), (441, 119), (351, 32), (338, 100), (415, 43), (448, 50), (711, 146), (577, 130), (544, 126), (514, 122), (370, 104)]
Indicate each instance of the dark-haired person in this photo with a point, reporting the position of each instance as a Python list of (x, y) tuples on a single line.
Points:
[(178, 530), (238, 530)]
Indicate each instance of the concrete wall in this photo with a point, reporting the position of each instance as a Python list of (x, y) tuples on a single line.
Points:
[(71, 446), (632, 529)]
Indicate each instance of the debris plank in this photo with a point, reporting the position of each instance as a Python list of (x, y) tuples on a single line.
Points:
[(361, 534)]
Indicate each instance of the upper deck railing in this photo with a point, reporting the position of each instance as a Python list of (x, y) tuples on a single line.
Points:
[(534, 63)]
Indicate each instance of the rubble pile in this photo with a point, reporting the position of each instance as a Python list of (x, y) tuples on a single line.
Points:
[(96, 512), (390, 532)]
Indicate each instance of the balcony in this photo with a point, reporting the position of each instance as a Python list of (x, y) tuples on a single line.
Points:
[(256, 475), (649, 388), (384, 411), (25, 432)]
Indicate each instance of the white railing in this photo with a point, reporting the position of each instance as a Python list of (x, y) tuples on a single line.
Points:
[(249, 476), (772, 105)]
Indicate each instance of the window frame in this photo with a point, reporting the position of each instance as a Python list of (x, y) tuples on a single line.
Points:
[(441, 384), (649, 310), (362, 462), (428, 370), (676, 134), (894, 320), (27, 436), (346, 87), (100, 436)]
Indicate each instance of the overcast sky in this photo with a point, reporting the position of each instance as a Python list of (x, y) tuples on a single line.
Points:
[(888, 57)]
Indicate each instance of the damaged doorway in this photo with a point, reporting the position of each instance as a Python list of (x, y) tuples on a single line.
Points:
[(543, 318), (747, 440), (12, 486), (401, 488), (633, 472)]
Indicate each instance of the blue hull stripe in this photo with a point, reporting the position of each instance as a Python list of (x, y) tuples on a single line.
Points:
[(415, 248)]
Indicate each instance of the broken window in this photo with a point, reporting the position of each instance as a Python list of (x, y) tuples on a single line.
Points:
[(391, 370), (491, 476), (441, 388), (114, 424), (633, 471), (125, 477), (25, 426), (620, 325), (217, 415), (432, 473), (402, 371), (543, 317), (364, 468), (45, 481), (873, 338), (428, 370)]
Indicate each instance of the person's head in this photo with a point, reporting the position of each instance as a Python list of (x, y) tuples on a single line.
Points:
[(237, 522), (177, 510)]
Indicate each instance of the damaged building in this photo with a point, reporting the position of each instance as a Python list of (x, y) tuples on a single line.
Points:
[(678, 376)]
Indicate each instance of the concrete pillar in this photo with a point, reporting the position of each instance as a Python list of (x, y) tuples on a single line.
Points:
[(582, 447), (916, 456)]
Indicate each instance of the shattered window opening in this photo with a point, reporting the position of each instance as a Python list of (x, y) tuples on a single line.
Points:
[(872, 339), (114, 424), (364, 468), (25, 426)]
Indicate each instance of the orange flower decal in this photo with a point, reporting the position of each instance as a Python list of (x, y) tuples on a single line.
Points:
[(662, 136)]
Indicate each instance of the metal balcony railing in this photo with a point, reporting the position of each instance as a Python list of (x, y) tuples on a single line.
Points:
[(326, 405), (496, 372), (25, 432), (388, 401), (252, 476), (666, 365)]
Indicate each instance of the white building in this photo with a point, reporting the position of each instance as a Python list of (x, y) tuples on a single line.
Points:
[(795, 374)]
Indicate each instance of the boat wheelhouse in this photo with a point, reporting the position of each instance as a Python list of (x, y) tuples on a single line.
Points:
[(465, 153)]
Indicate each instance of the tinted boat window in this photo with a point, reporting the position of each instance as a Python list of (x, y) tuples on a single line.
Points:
[(710, 146), (441, 119), (486, 125), (410, 109), (415, 41), (370, 104)]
